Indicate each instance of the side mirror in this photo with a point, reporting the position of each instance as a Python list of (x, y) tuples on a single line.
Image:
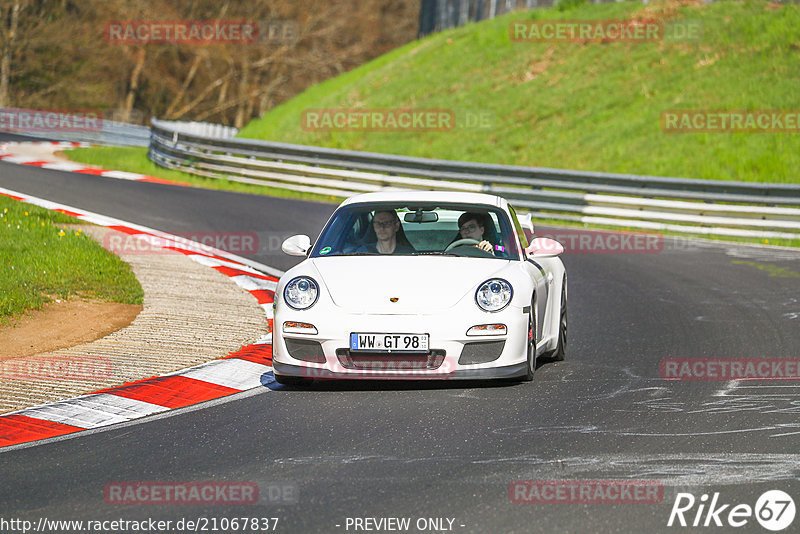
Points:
[(544, 247), (297, 245)]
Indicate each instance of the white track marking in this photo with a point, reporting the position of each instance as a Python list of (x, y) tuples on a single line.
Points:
[(231, 373), (250, 283), (63, 166), (92, 411), (123, 175)]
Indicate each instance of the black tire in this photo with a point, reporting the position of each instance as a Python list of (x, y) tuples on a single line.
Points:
[(561, 349), (530, 368), (288, 380)]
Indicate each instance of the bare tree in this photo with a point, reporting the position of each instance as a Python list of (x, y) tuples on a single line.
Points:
[(11, 16), (56, 54), (133, 86), (198, 58)]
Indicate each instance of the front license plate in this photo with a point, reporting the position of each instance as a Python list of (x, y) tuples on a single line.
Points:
[(389, 342)]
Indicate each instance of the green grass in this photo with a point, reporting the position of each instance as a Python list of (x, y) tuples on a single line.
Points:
[(41, 259), (134, 159), (589, 106)]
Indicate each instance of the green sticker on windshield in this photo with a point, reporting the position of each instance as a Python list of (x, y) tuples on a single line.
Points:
[(325, 250)]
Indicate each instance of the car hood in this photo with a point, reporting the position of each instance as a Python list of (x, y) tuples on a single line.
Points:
[(421, 284)]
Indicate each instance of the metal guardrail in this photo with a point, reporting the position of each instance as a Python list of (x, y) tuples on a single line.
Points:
[(724, 208), (205, 129)]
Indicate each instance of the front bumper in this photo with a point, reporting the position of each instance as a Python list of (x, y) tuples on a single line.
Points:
[(443, 361), (510, 371)]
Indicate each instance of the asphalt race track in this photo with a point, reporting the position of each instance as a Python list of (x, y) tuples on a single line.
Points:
[(451, 450)]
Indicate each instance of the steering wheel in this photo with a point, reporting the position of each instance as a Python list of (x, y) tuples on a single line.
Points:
[(460, 242)]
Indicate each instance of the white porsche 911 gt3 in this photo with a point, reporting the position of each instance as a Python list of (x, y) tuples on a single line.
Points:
[(419, 285)]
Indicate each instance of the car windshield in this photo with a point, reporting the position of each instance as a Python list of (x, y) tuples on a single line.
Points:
[(411, 230)]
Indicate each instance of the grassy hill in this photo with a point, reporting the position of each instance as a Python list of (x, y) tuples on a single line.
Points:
[(588, 106)]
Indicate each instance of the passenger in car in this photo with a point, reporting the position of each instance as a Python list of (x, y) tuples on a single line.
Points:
[(389, 233)]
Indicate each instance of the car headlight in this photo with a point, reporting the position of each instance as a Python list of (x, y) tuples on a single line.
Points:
[(494, 295), (301, 292)]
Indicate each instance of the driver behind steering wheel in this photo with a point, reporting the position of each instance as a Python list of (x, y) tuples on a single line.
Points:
[(471, 226)]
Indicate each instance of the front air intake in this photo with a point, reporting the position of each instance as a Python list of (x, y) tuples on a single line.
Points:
[(306, 350), (481, 352), (382, 361)]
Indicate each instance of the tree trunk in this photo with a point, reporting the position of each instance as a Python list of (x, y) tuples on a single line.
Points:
[(186, 83), (8, 46), (238, 122), (134, 85)]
